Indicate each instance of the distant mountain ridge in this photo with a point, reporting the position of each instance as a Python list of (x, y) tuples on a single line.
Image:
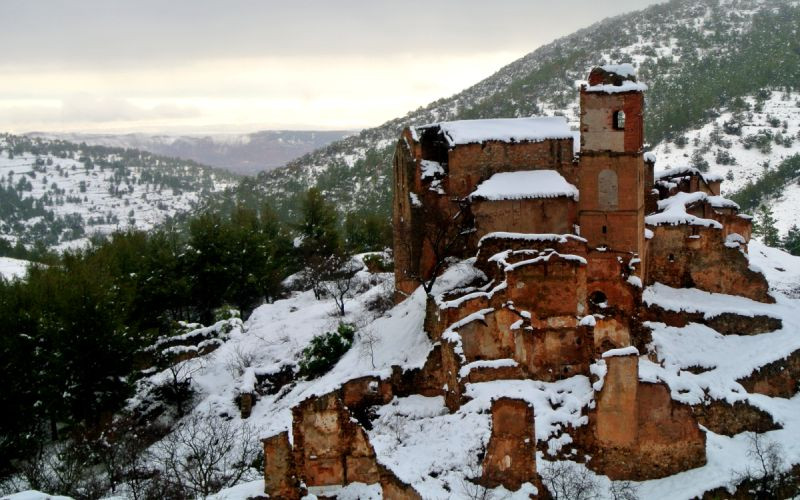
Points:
[(696, 56), (245, 154)]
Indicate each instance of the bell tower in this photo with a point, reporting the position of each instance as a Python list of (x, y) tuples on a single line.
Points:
[(612, 168)]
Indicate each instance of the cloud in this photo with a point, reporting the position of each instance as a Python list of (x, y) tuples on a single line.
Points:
[(93, 109)]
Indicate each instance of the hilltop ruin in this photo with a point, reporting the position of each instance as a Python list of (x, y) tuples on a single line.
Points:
[(564, 235)]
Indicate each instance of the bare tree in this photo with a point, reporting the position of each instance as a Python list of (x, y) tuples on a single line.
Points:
[(623, 490), (569, 481), (770, 478), (205, 453), (177, 389), (369, 339), (444, 236), (338, 279)]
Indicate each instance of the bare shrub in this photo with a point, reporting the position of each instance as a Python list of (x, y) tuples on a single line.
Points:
[(569, 481), (368, 341), (205, 453), (65, 468), (623, 490), (239, 361), (470, 485), (770, 477)]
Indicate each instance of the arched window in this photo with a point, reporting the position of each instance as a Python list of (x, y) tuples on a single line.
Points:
[(607, 190), (619, 120)]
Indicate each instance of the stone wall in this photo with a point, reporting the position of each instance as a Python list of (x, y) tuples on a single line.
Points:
[(280, 475), (598, 132), (470, 164), (614, 216), (641, 432), (533, 216), (510, 459), (696, 257)]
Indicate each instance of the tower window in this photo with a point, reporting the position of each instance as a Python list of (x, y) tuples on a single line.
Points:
[(619, 120), (605, 229)]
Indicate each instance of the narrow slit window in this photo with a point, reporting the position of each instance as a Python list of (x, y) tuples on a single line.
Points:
[(619, 120), (605, 230)]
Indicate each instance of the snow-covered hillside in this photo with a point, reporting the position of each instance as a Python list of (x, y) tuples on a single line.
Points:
[(436, 451), (741, 145), (63, 194), (245, 154)]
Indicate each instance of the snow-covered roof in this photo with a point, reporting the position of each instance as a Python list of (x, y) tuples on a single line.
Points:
[(626, 86), (525, 184), (687, 170), (673, 210), (532, 129)]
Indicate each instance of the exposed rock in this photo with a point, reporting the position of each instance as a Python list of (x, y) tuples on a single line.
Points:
[(722, 418), (777, 379)]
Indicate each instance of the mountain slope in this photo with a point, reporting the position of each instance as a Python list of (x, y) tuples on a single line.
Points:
[(56, 194), (245, 154), (695, 56)]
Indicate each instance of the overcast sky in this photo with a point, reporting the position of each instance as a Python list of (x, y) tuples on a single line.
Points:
[(241, 65)]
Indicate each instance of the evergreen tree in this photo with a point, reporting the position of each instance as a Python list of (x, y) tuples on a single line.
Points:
[(318, 226), (765, 227), (791, 242)]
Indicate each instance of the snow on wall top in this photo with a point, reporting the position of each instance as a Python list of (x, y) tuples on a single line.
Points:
[(674, 210), (625, 69), (560, 238), (525, 184), (626, 86), (534, 129), (686, 170)]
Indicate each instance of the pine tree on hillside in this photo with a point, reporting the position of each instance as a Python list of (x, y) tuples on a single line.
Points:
[(791, 242), (765, 227), (318, 226)]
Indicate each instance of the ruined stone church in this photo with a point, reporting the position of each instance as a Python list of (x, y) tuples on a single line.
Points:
[(567, 228)]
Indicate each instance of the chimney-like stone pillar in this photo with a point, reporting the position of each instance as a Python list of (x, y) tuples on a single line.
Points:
[(617, 408), (510, 459), (280, 476)]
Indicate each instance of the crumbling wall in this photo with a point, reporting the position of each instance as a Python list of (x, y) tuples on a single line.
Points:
[(641, 432), (686, 256), (280, 475), (534, 216), (329, 447), (471, 164), (779, 379), (554, 354), (510, 459)]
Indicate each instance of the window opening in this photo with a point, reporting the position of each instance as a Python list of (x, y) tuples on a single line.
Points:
[(619, 120)]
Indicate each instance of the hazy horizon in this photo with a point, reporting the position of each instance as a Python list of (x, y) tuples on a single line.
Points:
[(199, 67)]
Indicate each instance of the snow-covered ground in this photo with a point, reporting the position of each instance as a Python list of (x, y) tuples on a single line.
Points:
[(436, 451), (13, 268)]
